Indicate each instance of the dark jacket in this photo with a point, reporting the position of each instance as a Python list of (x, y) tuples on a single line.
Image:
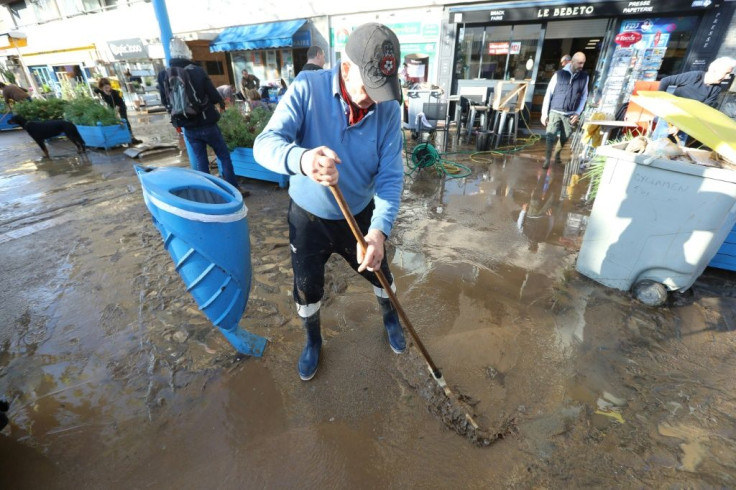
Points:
[(205, 90), (14, 93), (690, 85), (114, 100), (568, 91), (250, 82)]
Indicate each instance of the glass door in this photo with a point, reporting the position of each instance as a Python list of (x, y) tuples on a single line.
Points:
[(499, 53), (46, 81)]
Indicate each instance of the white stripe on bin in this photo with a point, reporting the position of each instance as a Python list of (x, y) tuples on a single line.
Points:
[(192, 216)]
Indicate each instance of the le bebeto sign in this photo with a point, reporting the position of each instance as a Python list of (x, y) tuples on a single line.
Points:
[(581, 11)]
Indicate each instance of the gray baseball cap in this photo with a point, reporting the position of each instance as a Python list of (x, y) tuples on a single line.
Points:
[(374, 48)]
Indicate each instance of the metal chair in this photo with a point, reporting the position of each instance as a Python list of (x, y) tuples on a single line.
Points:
[(483, 109), (508, 102), (434, 119), (476, 98)]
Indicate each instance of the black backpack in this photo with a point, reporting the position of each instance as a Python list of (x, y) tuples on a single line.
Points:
[(181, 94)]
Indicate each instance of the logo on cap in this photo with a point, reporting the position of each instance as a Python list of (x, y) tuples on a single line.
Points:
[(388, 61), (383, 64)]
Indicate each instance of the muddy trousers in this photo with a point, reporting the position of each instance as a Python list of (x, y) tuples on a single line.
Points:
[(558, 124), (313, 240)]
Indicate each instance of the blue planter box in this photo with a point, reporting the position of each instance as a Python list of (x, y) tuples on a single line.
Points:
[(725, 258), (246, 166), (4, 122), (105, 136)]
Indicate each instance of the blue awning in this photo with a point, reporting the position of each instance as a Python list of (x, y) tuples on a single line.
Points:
[(259, 36)]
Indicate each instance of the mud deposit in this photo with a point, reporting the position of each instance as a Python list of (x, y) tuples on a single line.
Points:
[(116, 380)]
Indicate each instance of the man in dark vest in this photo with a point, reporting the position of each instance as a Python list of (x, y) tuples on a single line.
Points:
[(563, 103)]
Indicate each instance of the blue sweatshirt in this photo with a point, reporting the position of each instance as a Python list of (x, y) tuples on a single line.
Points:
[(312, 113)]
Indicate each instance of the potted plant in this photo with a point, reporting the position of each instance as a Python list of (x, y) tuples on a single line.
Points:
[(240, 132), (40, 109), (4, 116), (98, 124)]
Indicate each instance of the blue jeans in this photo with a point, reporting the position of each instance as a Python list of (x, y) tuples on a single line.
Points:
[(199, 138)]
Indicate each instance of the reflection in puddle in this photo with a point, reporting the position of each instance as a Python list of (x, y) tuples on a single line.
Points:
[(510, 197)]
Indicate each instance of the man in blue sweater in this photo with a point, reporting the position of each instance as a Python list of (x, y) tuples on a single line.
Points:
[(563, 103), (343, 123)]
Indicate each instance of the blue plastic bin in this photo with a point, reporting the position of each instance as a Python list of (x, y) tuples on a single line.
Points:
[(203, 221)]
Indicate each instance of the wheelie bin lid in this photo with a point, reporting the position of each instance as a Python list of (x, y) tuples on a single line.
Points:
[(704, 123)]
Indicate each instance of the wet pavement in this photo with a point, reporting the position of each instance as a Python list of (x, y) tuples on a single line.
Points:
[(116, 380)]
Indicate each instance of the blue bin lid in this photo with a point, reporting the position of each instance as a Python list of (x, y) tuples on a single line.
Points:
[(190, 191)]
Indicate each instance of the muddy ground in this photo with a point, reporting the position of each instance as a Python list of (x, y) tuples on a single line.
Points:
[(116, 380)]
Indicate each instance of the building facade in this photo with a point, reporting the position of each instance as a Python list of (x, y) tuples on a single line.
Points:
[(624, 40)]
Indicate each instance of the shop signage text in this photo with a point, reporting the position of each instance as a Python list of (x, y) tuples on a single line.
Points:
[(583, 10), (498, 48), (559, 10), (128, 49), (638, 7), (504, 48), (626, 39), (302, 39)]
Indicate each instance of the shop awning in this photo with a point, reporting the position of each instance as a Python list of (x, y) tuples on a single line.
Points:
[(260, 36)]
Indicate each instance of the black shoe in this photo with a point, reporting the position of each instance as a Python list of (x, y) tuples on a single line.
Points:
[(309, 359), (135, 141), (545, 165), (393, 327)]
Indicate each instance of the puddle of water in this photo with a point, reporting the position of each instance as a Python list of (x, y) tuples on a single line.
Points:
[(119, 378)]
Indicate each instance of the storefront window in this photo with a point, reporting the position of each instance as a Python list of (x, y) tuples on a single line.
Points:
[(523, 47), (76, 7), (21, 14), (497, 52), (645, 50), (45, 10), (46, 80)]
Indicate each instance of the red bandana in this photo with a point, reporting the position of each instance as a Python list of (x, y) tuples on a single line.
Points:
[(355, 113)]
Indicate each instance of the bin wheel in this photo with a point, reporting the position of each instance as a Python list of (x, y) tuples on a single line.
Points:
[(650, 292)]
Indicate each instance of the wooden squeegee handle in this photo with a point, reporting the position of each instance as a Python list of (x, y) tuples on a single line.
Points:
[(382, 279)]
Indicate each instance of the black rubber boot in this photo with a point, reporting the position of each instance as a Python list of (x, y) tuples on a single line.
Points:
[(548, 152), (558, 151), (310, 355), (393, 327)]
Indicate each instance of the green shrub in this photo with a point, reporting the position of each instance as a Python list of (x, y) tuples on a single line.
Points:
[(86, 111), (71, 89), (598, 164), (240, 131), (594, 174), (40, 109), (9, 75)]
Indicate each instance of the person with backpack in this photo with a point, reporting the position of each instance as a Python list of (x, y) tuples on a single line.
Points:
[(190, 97)]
